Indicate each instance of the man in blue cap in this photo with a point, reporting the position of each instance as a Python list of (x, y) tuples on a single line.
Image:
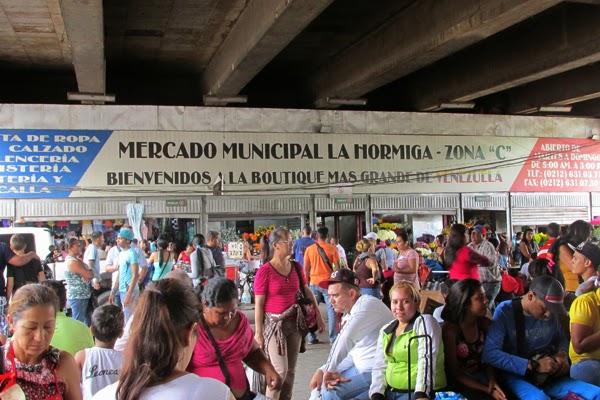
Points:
[(129, 269)]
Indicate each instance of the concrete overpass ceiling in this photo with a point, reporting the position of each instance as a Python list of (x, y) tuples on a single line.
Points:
[(504, 56)]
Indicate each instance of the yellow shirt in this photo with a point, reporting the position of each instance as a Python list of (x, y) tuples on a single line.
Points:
[(585, 310)]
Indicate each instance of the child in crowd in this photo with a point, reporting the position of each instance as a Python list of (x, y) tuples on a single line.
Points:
[(101, 365)]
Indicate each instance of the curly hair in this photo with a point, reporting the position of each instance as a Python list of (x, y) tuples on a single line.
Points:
[(219, 291)]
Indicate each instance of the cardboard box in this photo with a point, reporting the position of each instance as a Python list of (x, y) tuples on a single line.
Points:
[(430, 300)]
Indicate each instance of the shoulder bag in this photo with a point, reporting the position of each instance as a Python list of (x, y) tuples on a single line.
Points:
[(260, 382), (305, 303), (324, 257)]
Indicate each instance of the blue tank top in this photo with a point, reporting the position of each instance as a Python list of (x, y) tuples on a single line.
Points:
[(162, 268)]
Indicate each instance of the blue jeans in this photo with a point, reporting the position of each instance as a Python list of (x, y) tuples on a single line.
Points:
[(587, 371), (491, 291), (322, 296), (129, 310), (553, 389), (357, 388), (398, 396), (117, 299), (79, 309), (4, 328), (375, 292)]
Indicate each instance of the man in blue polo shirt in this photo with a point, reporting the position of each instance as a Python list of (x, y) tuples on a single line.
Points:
[(129, 268)]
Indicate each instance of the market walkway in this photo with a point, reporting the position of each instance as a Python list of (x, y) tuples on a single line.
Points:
[(308, 362)]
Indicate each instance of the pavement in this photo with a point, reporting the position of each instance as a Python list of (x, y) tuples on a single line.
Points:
[(308, 362)]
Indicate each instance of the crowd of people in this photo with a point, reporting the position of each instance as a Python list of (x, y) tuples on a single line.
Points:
[(506, 330)]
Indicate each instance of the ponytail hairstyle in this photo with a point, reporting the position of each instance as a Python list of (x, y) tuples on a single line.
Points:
[(161, 245), (266, 249), (164, 312), (455, 242), (545, 266)]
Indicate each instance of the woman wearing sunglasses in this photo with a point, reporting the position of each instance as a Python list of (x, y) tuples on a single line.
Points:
[(33, 369)]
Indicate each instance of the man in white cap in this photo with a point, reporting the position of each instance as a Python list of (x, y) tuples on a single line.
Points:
[(527, 346), (129, 268)]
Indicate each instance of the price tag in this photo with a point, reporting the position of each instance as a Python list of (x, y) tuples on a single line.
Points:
[(235, 250)]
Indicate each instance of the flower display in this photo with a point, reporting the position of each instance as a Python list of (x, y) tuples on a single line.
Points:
[(250, 236), (263, 230), (384, 235)]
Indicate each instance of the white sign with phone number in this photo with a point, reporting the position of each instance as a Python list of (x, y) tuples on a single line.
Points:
[(235, 250)]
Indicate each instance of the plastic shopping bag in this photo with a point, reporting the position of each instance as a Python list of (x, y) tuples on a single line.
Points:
[(315, 394)]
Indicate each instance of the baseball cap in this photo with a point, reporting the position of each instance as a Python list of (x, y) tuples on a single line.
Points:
[(371, 235), (340, 276), (589, 251), (551, 292), (481, 229), (127, 234)]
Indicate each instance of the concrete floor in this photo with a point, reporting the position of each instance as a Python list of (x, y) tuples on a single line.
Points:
[(308, 362)]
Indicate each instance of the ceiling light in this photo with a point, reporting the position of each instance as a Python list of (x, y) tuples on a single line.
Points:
[(94, 97), (346, 102), (556, 109), (457, 106), (222, 101)]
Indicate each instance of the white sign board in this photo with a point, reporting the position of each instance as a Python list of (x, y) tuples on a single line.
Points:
[(340, 191), (235, 250)]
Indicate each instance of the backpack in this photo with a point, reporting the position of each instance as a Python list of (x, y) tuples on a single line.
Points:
[(149, 273), (380, 277)]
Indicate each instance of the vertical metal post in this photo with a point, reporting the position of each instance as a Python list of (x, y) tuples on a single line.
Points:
[(203, 226), (509, 234), (312, 215)]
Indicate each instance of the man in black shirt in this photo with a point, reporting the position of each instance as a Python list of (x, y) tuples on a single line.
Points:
[(31, 272)]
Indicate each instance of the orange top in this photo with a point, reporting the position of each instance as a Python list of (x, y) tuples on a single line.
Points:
[(314, 265)]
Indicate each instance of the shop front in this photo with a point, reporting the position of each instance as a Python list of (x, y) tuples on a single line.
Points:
[(418, 214), (595, 204), (539, 209), (489, 209)]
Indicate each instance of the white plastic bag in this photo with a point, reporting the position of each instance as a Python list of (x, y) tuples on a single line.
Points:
[(315, 394), (257, 383)]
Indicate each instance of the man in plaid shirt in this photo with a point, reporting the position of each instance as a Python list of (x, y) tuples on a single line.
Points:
[(490, 276)]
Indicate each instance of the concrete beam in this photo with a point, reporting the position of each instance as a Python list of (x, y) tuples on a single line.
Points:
[(263, 29), (424, 33), (596, 2), (564, 40), (84, 25), (589, 108), (570, 87)]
